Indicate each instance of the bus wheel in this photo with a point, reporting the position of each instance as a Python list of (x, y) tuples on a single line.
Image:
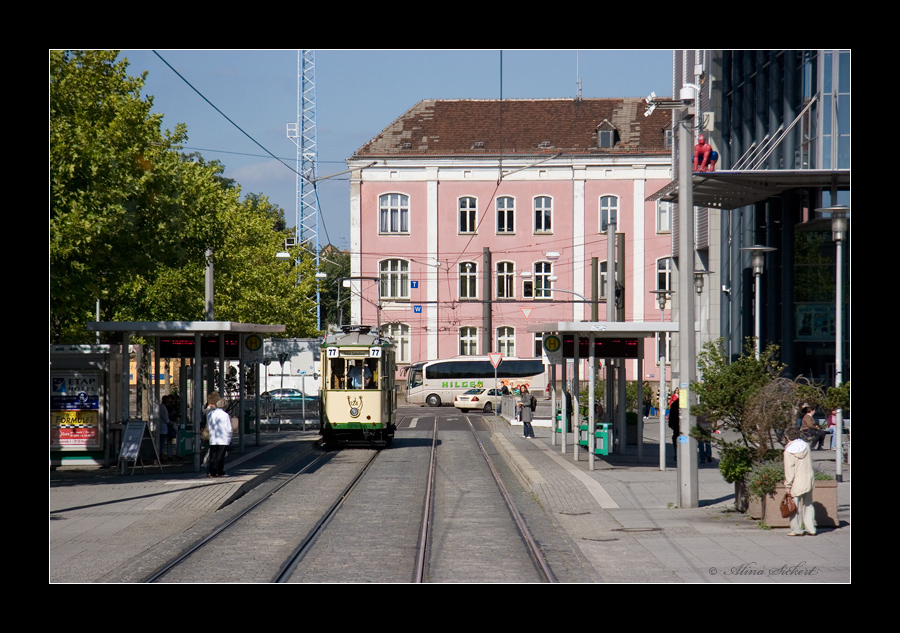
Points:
[(433, 400)]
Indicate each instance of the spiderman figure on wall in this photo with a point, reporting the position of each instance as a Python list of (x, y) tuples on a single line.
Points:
[(704, 156)]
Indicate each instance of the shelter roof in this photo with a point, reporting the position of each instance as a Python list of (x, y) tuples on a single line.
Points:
[(155, 328)]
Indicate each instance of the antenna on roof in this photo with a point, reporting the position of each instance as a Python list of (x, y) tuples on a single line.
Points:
[(577, 79)]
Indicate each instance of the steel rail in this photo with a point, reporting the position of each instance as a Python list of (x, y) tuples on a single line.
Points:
[(422, 556), (532, 545), (183, 556)]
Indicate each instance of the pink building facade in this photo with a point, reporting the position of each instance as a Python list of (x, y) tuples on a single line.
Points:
[(472, 220)]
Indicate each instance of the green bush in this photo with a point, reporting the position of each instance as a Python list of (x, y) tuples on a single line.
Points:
[(735, 462), (764, 477)]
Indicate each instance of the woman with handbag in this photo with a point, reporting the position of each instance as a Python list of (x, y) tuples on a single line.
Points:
[(529, 404), (799, 480)]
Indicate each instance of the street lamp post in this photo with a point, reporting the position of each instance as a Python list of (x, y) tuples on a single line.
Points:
[(662, 296), (758, 254), (840, 216)]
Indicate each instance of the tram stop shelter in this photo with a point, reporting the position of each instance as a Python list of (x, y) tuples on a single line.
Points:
[(611, 340), (247, 338)]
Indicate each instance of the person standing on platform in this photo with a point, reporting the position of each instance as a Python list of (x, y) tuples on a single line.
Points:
[(529, 404), (674, 422), (219, 423), (799, 480)]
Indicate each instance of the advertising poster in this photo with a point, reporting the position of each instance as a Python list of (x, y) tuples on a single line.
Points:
[(75, 410)]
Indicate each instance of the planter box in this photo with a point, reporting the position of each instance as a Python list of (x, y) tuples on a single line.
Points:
[(824, 501)]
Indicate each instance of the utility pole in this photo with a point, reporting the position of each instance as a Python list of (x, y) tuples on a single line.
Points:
[(687, 494)]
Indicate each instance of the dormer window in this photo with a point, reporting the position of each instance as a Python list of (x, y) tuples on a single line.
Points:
[(607, 135)]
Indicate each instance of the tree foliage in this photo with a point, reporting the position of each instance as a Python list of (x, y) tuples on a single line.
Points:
[(131, 217)]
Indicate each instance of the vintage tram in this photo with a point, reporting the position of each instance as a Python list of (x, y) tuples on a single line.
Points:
[(357, 398)]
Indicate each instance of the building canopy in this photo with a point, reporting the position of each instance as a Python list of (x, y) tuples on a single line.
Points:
[(736, 189)]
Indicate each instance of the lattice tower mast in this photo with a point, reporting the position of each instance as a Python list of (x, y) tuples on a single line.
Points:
[(304, 135)]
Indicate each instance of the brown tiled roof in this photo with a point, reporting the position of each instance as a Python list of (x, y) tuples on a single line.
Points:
[(521, 126)]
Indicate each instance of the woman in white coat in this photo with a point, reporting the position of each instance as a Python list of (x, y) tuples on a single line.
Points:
[(799, 480)]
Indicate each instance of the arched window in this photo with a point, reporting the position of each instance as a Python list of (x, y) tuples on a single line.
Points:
[(543, 214), (542, 285), (468, 341), (468, 280), (609, 209), (394, 279), (400, 333), (506, 215), (506, 280), (506, 341), (393, 213), (468, 214)]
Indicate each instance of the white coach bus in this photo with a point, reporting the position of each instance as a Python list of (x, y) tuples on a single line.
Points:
[(438, 381)]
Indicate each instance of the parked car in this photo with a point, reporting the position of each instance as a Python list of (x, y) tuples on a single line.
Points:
[(484, 399), (288, 399)]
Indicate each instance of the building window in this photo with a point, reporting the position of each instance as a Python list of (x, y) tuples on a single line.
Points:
[(543, 214), (400, 333), (393, 215), (468, 214), (468, 280), (663, 217), (606, 135), (506, 215), (468, 341), (394, 279), (506, 280), (664, 342), (609, 211), (542, 286), (603, 278), (664, 273), (506, 341)]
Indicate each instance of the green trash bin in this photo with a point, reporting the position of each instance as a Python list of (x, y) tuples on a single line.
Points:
[(602, 438), (185, 445)]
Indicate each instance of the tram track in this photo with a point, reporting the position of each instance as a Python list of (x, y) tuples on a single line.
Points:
[(368, 532)]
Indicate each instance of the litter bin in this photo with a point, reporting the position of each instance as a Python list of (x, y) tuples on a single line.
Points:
[(603, 438), (185, 445)]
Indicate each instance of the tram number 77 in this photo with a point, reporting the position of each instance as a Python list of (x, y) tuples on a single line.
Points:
[(374, 352)]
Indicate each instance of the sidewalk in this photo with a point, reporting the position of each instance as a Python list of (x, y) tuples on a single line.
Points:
[(623, 517)]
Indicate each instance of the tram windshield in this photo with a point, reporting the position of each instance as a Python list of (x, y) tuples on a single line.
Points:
[(354, 373)]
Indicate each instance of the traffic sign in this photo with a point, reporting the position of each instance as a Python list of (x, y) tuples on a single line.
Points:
[(495, 357)]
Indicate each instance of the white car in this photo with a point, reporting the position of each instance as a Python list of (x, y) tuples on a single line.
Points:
[(484, 399)]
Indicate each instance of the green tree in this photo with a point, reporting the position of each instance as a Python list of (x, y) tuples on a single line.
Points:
[(131, 217), (336, 265), (122, 200)]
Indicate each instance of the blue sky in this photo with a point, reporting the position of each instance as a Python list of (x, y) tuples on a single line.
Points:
[(358, 94)]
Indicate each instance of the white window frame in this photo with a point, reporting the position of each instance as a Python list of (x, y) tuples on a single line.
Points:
[(506, 215), (394, 275), (468, 341), (543, 271), (664, 274), (400, 333), (393, 214), (467, 215), (506, 281), (668, 344), (468, 280), (602, 280), (664, 214), (506, 340), (543, 215), (608, 203)]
